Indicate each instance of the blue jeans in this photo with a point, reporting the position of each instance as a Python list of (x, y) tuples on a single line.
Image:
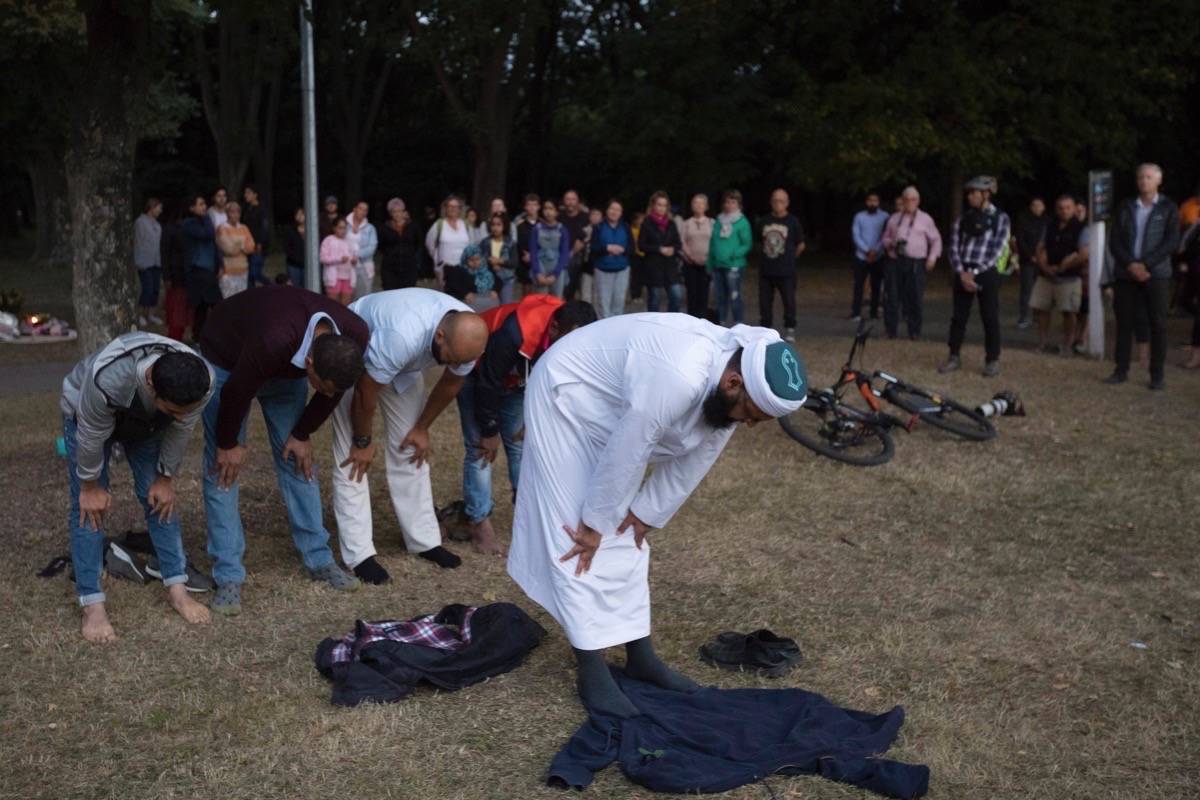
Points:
[(506, 280), (87, 545), (256, 278), (282, 404), (728, 284), (477, 473), (296, 276), (674, 294), (150, 280)]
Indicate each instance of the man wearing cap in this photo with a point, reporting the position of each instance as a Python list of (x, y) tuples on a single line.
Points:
[(976, 244), (604, 403)]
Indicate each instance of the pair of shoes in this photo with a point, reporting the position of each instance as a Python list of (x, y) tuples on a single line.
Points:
[(1078, 349), (227, 599), (951, 364), (761, 652), (1115, 378), (855, 317), (335, 576), (197, 581), (991, 369), (1157, 385), (789, 335), (1024, 324)]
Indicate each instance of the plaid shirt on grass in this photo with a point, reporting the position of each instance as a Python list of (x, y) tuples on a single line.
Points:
[(976, 254), (424, 631)]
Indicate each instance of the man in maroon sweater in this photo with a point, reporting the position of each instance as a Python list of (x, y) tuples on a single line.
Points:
[(273, 343)]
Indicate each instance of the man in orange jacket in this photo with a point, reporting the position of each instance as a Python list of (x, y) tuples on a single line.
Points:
[(491, 401)]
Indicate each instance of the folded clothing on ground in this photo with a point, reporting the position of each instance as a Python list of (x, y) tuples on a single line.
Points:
[(713, 740), (384, 661)]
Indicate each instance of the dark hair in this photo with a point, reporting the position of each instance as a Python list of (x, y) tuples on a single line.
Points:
[(610, 202), (180, 378), (499, 215), (219, 189), (338, 359), (731, 194), (655, 197), (574, 314), (735, 361), (533, 197), (1065, 196), (193, 198), (250, 187), (872, 194), (151, 202)]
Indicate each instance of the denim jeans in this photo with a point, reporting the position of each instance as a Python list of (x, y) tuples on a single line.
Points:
[(477, 473), (87, 545), (296, 276), (557, 288), (728, 283), (610, 292), (506, 280), (282, 404), (674, 294), (257, 277), (150, 279)]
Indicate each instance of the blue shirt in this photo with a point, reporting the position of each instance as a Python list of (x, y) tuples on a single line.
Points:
[(867, 232), (606, 234)]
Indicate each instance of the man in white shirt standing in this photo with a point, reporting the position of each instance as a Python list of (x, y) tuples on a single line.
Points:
[(412, 330), (605, 402), (362, 234)]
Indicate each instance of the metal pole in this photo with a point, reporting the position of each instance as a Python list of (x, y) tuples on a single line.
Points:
[(312, 222), (1096, 250)]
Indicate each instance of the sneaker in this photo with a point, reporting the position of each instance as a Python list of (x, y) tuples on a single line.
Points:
[(1024, 324), (336, 577), (1078, 349), (1115, 378), (855, 317), (124, 564), (789, 335), (951, 364), (1157, 385), (762, 653), (197, 581), (227, 599), (991, 369)]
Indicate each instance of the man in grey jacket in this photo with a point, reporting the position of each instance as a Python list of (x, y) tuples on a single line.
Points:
[(1145, 237), (146, 392)]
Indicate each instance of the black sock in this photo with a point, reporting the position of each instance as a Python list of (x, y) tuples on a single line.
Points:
[(597, 688), (442, 557), (371, 571), (643, 663)]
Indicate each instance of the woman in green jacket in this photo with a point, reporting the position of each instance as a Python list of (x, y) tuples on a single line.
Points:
[(731, 241)]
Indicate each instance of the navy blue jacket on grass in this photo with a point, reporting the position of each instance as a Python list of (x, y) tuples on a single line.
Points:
[(713, 740)]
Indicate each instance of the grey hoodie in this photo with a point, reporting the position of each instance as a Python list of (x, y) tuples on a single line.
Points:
[(107, 384)]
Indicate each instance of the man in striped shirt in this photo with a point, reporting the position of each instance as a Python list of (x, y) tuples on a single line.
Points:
[(976, 245)]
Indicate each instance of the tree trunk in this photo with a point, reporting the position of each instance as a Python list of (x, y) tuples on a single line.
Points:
[(99, 164)]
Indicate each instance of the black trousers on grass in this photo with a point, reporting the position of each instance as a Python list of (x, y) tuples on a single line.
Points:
[(905, 291), (988, 292), (695, 278), (786, 286), (1151, 298), (863, 271)]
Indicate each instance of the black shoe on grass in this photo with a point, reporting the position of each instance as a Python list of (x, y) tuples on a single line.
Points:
[(761, 652)]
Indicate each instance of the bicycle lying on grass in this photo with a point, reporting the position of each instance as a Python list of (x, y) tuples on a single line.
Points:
[(831, 427)]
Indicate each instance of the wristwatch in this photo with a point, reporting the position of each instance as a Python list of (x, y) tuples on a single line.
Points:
[(362, 442)]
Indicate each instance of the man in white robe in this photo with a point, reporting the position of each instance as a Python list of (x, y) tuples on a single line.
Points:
[(606, 401)]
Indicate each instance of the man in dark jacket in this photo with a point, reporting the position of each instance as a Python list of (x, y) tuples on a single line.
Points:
[(1145, 237), (1028, 232), (272, 344), (782, 243), (491, 401), (260, 228)]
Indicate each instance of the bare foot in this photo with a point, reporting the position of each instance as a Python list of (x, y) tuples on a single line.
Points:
[(484, 538), (96, 627), (189, 609)]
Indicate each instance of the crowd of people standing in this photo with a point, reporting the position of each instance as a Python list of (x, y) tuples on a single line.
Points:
[(663, 258)]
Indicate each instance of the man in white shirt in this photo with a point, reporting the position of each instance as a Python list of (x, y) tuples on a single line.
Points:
[(605, 402), (412, 330)]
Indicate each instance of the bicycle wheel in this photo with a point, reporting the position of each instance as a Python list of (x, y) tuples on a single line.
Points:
[(842, 436), (941, 412)]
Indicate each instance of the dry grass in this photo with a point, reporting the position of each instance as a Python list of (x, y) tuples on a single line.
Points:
[(992, 589)]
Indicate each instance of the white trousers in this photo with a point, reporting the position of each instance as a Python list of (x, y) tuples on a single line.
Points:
[(408, 484)]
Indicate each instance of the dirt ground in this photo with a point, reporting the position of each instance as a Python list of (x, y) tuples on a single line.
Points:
[(995, 590)]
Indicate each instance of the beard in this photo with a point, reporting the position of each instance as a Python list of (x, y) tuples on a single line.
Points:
[(716, 409), (437, 351), (872, 209)]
